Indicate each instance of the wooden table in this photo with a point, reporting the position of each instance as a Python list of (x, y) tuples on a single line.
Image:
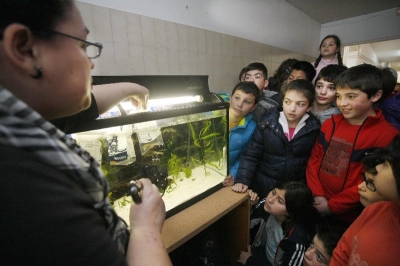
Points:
[(228, 210)]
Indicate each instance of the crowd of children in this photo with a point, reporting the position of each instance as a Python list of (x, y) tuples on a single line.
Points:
[(328, 140)]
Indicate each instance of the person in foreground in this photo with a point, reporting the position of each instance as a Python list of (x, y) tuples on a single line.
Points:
[(373, 238), (53, 191)]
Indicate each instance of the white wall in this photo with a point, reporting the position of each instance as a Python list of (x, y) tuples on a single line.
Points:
[(359, 54), (272, 22), (140, 45), (378, 26)]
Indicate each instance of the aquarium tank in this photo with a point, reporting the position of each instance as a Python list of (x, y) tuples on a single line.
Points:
[(181, 146)]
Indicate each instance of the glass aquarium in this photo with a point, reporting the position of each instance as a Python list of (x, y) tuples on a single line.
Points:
[(182, 148)]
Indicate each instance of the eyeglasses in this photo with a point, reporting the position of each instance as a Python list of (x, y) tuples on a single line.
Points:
[(93, 50), (368, 183)]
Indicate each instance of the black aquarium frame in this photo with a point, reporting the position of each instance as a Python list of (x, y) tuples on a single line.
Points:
[(165, 87)]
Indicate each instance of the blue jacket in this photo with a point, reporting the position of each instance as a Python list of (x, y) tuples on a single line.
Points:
[(239, 136), (270, 157)]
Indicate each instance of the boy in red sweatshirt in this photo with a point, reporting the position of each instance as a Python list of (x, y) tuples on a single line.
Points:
[(334, 167)]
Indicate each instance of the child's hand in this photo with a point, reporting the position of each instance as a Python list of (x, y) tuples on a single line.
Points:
[(254, 198), (239, 187), (321, 204), (228, 181), (244, 255)]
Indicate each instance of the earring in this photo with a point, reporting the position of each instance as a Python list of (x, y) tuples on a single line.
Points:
[(38, 74)]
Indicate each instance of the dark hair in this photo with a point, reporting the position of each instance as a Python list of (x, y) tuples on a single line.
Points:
[(389, 82), (306, 67), (299, 205), (390, 154), (248, 87), (258, 66), (366, 78), (370, 163), (242, 72), (329, 236), (281, 74), (302, 86), (41, 17), (339, 54), (330, 73)]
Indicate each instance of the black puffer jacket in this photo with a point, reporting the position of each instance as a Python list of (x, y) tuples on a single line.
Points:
[(269, 157)]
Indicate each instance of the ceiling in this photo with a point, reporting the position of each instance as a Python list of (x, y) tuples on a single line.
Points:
[(387, 51)]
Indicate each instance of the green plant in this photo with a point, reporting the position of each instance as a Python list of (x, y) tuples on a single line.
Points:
[(187, 171), (174, 164), (204, 140)]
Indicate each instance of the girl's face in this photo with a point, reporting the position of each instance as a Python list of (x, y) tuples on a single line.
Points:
[(295, 105), (316, 254), (328, 48), (275, 203), (325, 92)]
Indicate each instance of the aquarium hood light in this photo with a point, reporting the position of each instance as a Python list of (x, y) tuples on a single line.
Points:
[(129, 108)]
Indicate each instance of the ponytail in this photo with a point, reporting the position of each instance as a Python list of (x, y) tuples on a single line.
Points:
[(317, 61), (339, 58)]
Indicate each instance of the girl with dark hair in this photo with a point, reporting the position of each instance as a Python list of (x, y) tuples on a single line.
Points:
[(53, 193), (329, 53), (285, 225), (281, 143), (276, 82)]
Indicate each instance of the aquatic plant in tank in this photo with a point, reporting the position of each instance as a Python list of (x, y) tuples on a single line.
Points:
[(183, 156)]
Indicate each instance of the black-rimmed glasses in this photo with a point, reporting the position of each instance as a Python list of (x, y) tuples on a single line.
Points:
[(368, 183), (93, 50)]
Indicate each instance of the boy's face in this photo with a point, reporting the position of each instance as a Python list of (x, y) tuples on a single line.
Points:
[(367, 196), (325, 92), (385, 183), (257, 77), (275, 203), (296, 74), (355, 104), (316, 254), (241, 103), (295, 105)]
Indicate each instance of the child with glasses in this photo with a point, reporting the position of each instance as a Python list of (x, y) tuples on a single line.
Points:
[(367, 188), (373, 238)]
